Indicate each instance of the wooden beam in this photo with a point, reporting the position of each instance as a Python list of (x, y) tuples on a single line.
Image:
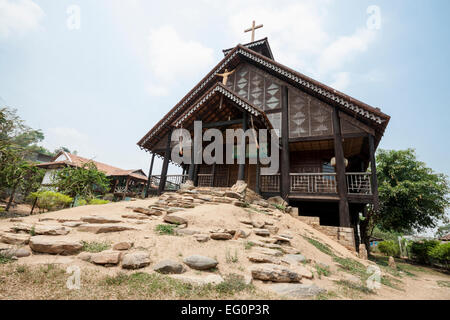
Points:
[(344, 213), (163, 179), (258, 173), (373, 169), (222, 123), (241, 170), (150, 171), (284, 163)]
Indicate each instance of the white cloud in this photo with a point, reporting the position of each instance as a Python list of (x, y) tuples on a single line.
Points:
[(19, 16), (70, 138), (171, 57), (157, 90), (341, 81)]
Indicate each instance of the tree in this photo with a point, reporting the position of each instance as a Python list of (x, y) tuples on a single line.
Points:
[(412, 196), (83, 181)]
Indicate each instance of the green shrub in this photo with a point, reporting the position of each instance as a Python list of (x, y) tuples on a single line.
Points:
[(94, 246), (167, 229), (97, 201), (80, 202), (441, 253), (389, 248), (420, 251), (51, 200)]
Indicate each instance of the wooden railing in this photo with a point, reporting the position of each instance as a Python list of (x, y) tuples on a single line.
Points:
[(205, 180), (313, 182), (359, 183), (173, 182), (270, 183)]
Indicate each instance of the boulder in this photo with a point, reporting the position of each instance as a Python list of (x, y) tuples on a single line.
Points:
[(296, 290), (122, 246), (169, 267), (99, 220), (187, 232), (362, 254), (261, 203), (188, 185), (135, 260), (85, 256), (201, 237), (234, 195), (15, 238), (262, 232), (304, 272), (262, 258), (106, 257), (104, 228), (135, 216), (205, 197), (240, 204), (242, 234), (293, 259), (221, 236), (272, 229), (274, 273), (258, 224), (55, 245), (392, 263), (72, 224), (44, 230), (270, 252), (174, 219), (239, 187), (16, 252), (199, 262), (174, 209), (277, 201), (281, 240)]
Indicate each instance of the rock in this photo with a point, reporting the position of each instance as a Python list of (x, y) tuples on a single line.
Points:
[(72, 224), (272, 229), (53, 245), (242, 234), (262, 232), (106, 257), (122, 246), (270, 252), (304, 272), (290, 250), (104, 228), (280, 240), (169, 267), (199, 262), (240, 204), (16, 252), (246, 221), (262, 258), (362, 254), (174, 209), (221, 236), (135, 216), (188, 185), (173, 219), (99, 220), (234, 195), (239, 187), (156, 211), (45, 230), (274, 273), (277, 201), (286, 235), (187, 232), (15, 238), (205, 197), (261, 203), (293, 259), (213, 279), (258, 224), (296, 290), (392, 263), (222, 200), (16, 220), (135, 260), (85, 256), (201, 237)]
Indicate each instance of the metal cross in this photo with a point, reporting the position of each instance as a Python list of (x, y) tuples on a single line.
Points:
[(253, 28)]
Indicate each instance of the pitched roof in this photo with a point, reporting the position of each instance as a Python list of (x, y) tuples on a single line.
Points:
[(261, 46), (77, 161), (299, 80)]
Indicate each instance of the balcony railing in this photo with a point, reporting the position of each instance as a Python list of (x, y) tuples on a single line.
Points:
[(313, 182), (173, 182), (270, 183), (205, 180), (359, 183)]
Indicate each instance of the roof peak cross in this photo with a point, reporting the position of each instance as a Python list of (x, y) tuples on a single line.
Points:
[(252, 29)]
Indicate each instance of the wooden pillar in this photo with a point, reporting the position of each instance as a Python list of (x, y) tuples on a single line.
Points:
[(150, 171), (241, 170), (284, 159), (373, 169), (213, 172), (344, 214), (165, 167), (196, 170), (258, 173)]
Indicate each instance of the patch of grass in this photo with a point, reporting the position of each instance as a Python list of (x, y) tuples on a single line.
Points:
[(33, 231), (443, 283), (248, 245), (233, 283), (322, 270), (94, 246), (321, 246), (391, 282), (326, 296), (166, 229), (352, 266), (354, 286), (231, 258), (5, 259), (22, 269), (280, 207)]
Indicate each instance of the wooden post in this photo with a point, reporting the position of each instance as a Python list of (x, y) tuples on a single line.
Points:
[(241, 169), (196, 170), (165, 167), (258, 173), (150, 171), (284, 163), (373, 169), (213, 172), (344, 214)]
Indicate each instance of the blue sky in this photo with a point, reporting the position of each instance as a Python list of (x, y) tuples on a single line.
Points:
[(98, 89)]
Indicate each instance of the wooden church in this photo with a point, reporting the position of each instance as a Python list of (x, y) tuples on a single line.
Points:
[(327, 140)]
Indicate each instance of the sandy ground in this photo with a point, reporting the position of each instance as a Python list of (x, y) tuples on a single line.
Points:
[(208, 217)]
